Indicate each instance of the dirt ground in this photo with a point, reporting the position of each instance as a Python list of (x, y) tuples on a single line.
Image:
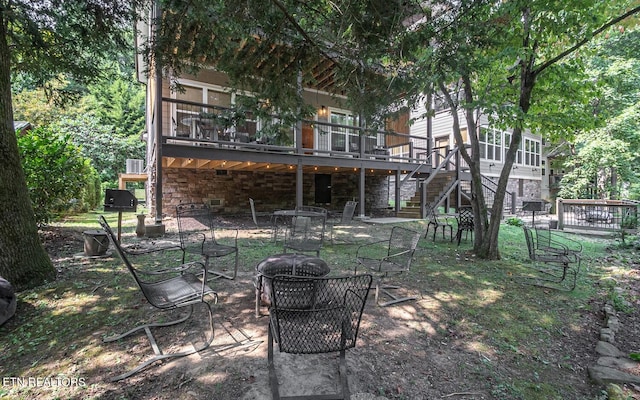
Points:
[(406, 351)]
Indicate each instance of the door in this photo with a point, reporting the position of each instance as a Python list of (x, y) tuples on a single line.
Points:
[(323, 189), (307, 137), (441, 146)]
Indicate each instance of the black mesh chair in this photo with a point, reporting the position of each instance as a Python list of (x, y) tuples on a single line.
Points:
[(437, 221), (312, 315), (305, 234), (199, 235), (465, 223), (166, 289), (387, 258), (561, 265)]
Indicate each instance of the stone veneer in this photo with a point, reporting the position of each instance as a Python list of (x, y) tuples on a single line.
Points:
[(531, 189), (269, 190)]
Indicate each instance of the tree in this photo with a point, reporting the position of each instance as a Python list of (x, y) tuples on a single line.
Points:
[(516, 61), (45, 39), (107, 149), (608, 155), (118, 101), (509, 60), (59, 177)]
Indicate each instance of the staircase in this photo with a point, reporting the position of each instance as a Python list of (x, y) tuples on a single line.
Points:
[(443, 185), (435, 191)]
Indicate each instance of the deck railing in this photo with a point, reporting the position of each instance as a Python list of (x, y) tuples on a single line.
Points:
[(604, 215), (192, 123)]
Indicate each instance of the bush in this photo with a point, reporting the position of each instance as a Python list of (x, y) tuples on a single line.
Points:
[(59, 178), (514, 221)]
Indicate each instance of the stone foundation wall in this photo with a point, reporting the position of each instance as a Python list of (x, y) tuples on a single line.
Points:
[(531, 189), (270, 190)]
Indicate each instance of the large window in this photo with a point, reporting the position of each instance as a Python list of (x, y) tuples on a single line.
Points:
[(342, 136), (195, 120), (531, 152), (490, 144), (507, 143)]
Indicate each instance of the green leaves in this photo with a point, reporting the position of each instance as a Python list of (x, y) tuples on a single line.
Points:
[(58, 177)]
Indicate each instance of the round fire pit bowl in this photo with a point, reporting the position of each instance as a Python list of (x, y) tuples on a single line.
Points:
[(284, 264)]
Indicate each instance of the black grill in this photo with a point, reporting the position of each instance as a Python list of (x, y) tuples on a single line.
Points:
[(120, 201)]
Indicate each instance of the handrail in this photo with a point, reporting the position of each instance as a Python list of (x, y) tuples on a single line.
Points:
[(441, 165), (372, 143), (491, 188)]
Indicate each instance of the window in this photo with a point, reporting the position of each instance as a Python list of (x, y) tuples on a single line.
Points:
[(490, 144), (507, 143), (186, 116), (342, 136), (531, 152)]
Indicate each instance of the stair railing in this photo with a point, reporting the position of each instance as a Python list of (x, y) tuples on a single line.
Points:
[(489, 188)]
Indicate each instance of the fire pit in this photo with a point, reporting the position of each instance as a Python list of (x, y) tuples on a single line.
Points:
[(284, 264)]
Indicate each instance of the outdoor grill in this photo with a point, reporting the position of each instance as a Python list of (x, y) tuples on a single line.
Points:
[(120, 201), (534, 205)]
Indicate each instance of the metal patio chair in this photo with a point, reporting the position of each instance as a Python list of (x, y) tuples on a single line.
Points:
[(437, 221), (199, 235), (306, 233), (167, 289), (313, 209), (387, 258), (560, 269), (263, 224), (343, 219), (315, 315), (552, 242), (465, 223)]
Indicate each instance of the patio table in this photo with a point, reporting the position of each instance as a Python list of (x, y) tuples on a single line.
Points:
[(283, 217)]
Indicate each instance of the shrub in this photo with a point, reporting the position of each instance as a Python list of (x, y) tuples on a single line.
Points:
[(514, 221), (59, 178)]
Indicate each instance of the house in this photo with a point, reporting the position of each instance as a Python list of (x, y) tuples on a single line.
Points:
[(208, 142), (527, 179)]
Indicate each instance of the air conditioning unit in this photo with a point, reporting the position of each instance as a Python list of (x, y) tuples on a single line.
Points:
[(135, 166), (216, 203)]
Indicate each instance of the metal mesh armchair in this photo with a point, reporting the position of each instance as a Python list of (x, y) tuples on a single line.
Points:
[(561, 266), (387, 258), (313, 315), (313, 209), (198, 235), (551, 242), (166, 289), (306, 233)]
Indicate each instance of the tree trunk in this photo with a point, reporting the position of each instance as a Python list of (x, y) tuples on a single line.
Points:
[(23, 260), (487, 248)]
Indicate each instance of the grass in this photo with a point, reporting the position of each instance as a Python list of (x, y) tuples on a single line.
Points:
[(58, 329)]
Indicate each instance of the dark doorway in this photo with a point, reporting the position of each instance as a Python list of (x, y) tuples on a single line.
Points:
[(323, 189)]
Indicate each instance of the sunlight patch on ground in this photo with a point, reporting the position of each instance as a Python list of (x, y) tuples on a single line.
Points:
[(481, 348), (446, 297), (486, 297)]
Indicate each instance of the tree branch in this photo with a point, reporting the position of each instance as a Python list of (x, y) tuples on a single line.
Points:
[(582, 42), (301, 30)]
